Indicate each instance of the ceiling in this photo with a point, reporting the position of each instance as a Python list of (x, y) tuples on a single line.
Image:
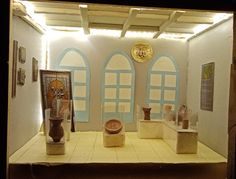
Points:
[(180, 24)]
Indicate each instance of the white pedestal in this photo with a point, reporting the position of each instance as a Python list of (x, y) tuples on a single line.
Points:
[(186, 142), (55, 148), (114, 140), (182, 141), (150, 129)]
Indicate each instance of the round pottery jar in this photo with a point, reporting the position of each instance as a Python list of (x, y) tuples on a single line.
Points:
[(56, 131), (113, 126)]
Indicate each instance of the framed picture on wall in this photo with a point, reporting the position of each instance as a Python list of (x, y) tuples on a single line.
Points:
[(14, 68), (21, 76), (207, 86), (22, 54), (55, 85), (34, 69)]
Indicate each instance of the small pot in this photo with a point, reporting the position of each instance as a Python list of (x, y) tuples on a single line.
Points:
[(185, 124)]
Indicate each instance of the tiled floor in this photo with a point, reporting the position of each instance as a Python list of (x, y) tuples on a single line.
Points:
[(87, 147)]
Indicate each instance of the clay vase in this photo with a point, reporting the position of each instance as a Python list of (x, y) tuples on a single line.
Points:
[(167, 108), (182, 114), (185, 124), (56, 131), (146, 113)]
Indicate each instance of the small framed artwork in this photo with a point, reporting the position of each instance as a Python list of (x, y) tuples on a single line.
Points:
[(22, 54), (14, 68), (35, 70), (21, 76), (207, 86), (55, 85)]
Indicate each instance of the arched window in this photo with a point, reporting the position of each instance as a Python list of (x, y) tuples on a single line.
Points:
[(162, 87), (73, 60), (118, 88)]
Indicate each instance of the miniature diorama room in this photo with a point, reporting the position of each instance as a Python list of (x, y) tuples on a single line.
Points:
[(94, 83)]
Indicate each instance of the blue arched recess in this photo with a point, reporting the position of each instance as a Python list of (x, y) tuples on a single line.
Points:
[(162, 85), (73, 60), (118, 87)]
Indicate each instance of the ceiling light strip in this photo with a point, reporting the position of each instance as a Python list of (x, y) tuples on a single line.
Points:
[(209, 28)]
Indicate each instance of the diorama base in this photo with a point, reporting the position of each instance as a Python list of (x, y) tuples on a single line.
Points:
[(55, 148), (87, 158)]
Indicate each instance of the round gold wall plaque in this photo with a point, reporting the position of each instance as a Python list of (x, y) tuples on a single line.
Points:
[(142, 52)]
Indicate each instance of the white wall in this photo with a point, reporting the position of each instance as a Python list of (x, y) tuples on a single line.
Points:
[(25, 111), (212, 46), (98, 49)]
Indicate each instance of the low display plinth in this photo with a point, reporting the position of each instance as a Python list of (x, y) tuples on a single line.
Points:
[(113, 140), (55, 148), (150, 129), (182, 141), (186, 143)]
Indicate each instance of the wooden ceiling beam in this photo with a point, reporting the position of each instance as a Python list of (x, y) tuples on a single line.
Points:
[(105, 26), (143, 28), (173, 17), (84, 18), (63, 23), (153, 16), (182, 22), (53, 10), (179, 32), (108, 13), (195, 19), (55, 4), (119, 27), (132, 14)]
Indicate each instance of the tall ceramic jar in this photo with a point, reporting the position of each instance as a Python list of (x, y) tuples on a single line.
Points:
[(56, 131), (146, 111)]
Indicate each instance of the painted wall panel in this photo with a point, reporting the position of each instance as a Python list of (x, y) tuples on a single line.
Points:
[(213, 46), (25, 120), (98, 49)]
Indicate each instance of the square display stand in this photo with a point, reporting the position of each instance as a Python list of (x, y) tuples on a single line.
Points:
[(150, 129), (55, 148), (114, 140)]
